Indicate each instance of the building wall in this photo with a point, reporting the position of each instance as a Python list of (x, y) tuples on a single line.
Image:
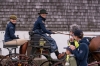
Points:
[(61, 13)]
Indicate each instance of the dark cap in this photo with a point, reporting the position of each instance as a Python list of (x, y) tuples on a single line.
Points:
[(68, 48), (78, 32), (43, 11), (14, 17)]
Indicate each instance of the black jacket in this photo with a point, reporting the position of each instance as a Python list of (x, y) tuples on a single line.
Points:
[(39, 25), (81, 53), (10, 32), (86, 40)]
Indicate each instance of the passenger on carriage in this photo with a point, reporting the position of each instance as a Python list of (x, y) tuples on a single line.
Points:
[(39, 28), (81, 53), (11, 39)]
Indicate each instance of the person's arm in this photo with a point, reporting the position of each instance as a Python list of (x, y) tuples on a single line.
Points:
[(44, 28), (81, 53), (11, 31)]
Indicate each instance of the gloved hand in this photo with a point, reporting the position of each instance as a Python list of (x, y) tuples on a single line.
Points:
[(53, 32), (17, 36), (72, 47), (49, 30)]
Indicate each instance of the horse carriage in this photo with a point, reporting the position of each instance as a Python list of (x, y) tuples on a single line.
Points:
[(40, 46)]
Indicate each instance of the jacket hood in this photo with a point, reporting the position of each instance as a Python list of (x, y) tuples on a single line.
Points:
[(85, 40)]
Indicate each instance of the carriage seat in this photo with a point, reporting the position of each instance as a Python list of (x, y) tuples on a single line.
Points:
[(10, 47), (38, 41)]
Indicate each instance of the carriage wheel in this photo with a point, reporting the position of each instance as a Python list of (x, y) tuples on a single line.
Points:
[(32, 62), (14, 60), (47, 63), (27, 61), (60, 63), (6, 61), (52, 62)]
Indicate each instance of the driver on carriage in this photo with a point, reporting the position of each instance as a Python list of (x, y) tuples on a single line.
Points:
[(39, 28)]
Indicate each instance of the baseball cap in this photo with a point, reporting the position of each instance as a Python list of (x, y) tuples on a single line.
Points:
[(68, 48)]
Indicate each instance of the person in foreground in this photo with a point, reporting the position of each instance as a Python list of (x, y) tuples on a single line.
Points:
[(11, 39), (72, 41), (80, 53), (39, 28)]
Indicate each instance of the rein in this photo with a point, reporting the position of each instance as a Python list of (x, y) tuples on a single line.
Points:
[(93, 63), (56, 32)]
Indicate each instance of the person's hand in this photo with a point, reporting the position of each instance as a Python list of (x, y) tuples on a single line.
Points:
[(17, 37), (72, 47), (53, 32), (68, 52), (49, 30)]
